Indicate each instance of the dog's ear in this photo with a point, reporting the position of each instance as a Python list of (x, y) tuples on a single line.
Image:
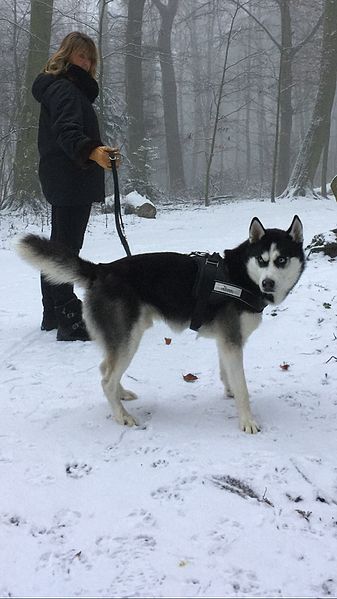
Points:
[(256, 230), (296, 230)]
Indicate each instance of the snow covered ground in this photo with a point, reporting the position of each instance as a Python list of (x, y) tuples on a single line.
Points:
[(185, 505)]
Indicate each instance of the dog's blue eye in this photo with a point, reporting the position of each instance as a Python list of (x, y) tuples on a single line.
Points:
[(281, 261)]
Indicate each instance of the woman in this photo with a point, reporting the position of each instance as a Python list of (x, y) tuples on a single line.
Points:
[(72, 162)]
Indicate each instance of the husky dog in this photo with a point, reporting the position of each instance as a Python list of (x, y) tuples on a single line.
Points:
[(124, 297)]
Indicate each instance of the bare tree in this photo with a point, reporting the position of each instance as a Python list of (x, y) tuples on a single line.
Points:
[(102, 6), (287, 55), (198, 116), (284, 97), (302, 177), (134, 96), (217, 111), (26, 185), (202, 66), (169, 90)]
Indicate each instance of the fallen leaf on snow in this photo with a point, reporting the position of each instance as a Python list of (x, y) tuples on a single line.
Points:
[(168, 340), (190, 378), (284, 366)]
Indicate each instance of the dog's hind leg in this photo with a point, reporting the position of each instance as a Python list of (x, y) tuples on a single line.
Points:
[(126, 394), (112, 368), (231, 360), (115, 364)]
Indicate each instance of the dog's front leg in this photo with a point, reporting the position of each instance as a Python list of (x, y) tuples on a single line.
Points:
[(231, 360), (224, 378)]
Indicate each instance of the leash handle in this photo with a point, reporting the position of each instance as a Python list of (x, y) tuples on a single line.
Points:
[(117, 203)]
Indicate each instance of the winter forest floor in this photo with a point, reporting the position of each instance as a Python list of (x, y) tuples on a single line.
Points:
[(184, 505)]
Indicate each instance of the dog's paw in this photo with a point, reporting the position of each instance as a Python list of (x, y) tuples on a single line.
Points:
[(248, 425), (124, 418), (127, 395)]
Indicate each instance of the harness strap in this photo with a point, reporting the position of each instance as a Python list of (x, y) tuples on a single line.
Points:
[(243, 295), (213, 286), (207, 267)]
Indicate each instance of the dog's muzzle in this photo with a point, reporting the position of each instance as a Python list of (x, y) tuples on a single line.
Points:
[(268, 289)]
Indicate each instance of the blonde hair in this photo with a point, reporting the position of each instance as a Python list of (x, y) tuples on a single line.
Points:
[(73, 42)]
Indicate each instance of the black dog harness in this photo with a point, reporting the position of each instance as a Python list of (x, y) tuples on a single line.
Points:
[(213, 286)]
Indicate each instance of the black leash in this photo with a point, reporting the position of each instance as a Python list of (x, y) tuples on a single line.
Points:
[(118, 214)]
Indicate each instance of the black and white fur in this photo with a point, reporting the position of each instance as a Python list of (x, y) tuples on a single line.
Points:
[(124, 297)]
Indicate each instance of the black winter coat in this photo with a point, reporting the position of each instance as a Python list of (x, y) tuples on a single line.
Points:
[(68, 132)]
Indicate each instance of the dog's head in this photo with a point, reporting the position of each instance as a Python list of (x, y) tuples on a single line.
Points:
[(275, 258)]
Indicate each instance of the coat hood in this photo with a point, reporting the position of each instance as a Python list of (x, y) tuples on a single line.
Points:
[(41, 84), (87, 84)]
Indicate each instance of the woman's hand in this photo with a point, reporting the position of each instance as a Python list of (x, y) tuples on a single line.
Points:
[(102, 154)]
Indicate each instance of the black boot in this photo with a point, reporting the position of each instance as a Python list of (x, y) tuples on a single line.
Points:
[(49, 320), (71, 326)]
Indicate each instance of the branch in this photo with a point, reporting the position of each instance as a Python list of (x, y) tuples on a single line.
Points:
[(69, 16), (258, 22), (279, 46), (309, 36), (16, 25)]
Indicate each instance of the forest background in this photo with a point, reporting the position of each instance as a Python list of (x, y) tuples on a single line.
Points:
[(206, 98), (224, 103)]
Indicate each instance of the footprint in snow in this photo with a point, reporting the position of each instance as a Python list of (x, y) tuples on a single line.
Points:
[(76, 470)]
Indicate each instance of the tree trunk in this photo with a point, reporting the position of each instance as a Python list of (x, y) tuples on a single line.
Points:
[(262, 134), (247, 103), (217, 112), (134, 96), (277, 134), (286, 111), (198, 116), (169, 90), (26, 183), (302, 178), (101, 19), (325, 157)]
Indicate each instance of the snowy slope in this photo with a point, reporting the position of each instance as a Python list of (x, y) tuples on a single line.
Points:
[(185, 504)]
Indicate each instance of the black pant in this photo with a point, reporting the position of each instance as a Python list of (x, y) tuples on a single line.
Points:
[(68, 226)]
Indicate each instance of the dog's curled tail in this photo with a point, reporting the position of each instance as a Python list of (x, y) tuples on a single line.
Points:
[(58, 263)]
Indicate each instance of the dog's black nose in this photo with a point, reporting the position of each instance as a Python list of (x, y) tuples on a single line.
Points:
[(268, 285)]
